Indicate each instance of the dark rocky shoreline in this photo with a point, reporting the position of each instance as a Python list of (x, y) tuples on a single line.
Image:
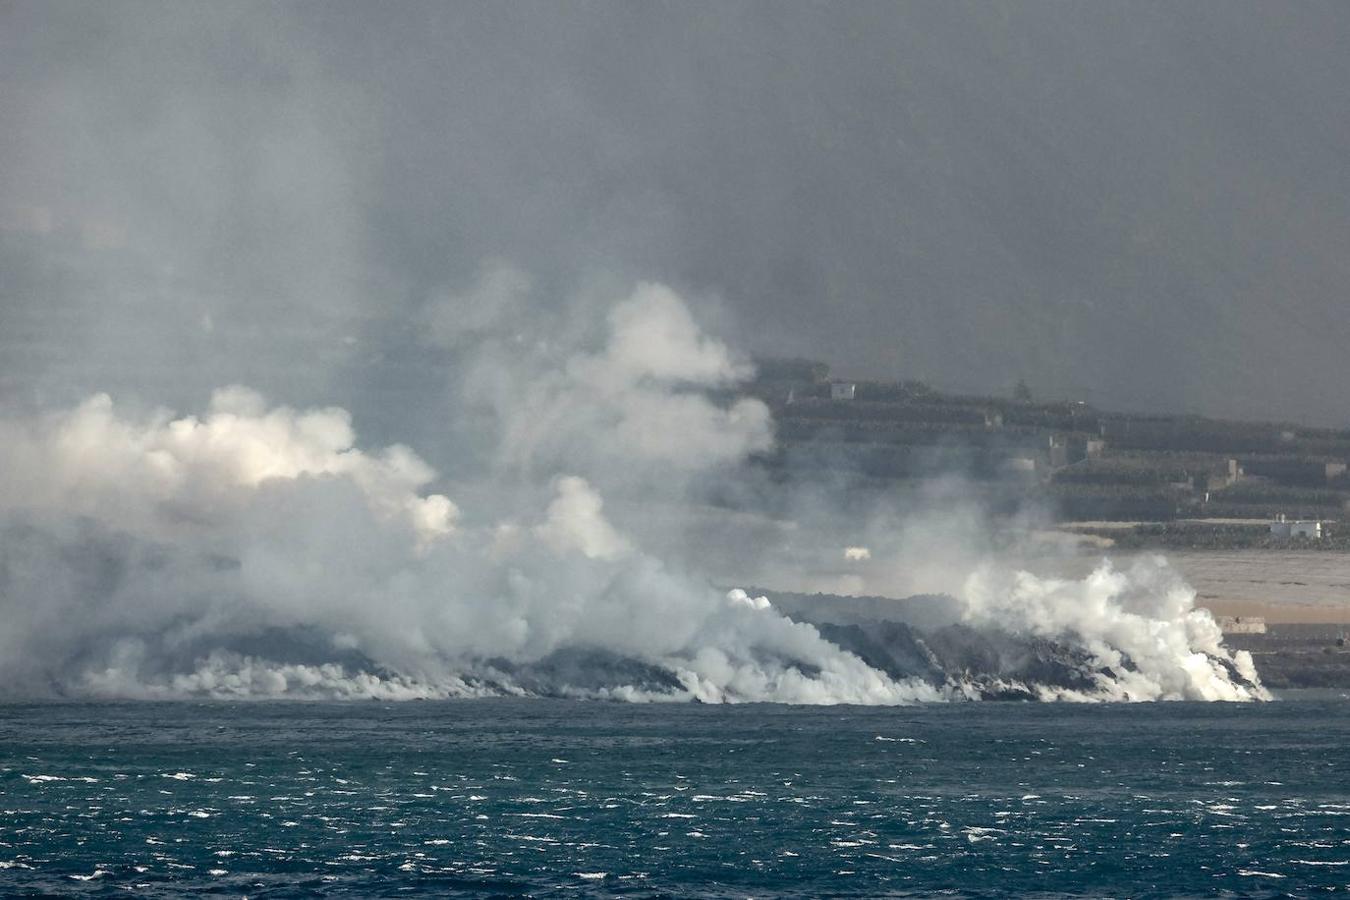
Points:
[(1299, 655), (1287, 656)]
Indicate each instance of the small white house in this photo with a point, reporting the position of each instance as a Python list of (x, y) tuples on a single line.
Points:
[(1283, 528), (843, 390), (1305, 529)]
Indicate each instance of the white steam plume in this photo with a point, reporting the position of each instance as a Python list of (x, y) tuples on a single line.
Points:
[(1141, 628), (158, 557), (256, 551), (630, 410)]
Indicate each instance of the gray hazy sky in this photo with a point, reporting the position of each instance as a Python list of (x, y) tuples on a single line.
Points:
[(1143, 204)]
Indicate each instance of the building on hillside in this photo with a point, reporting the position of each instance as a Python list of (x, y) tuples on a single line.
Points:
[(1059, 451), (1284, 528), (1306, 529), (843, 390), (1068, 449)]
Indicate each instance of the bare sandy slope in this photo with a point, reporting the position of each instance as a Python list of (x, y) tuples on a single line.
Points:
[(1282, 586)]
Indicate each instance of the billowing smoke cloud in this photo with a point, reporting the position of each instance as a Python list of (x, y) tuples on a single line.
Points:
[(635, 405), (153, 557), (257, 551), (294, 198), (160, 476), (1145, 637)]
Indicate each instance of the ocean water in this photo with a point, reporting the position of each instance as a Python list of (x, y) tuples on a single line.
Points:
[(552, 798)]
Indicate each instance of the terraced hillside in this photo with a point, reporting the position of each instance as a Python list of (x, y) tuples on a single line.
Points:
[(1083, 463)]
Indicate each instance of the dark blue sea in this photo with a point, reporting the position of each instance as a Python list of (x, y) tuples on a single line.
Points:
[(549, 798)]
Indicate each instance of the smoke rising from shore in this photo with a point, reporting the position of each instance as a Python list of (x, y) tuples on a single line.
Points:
[(280, 417), (258, 551), (1139, 627)]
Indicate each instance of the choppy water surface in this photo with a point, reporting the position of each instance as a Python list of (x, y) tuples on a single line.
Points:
[(554, 798)]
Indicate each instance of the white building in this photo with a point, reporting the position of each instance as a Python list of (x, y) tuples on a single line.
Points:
[(1283, 528), (1305, 529), (843, 390)]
